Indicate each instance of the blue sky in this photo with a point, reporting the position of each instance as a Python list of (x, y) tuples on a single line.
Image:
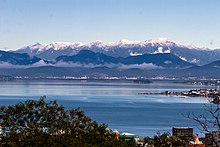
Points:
[(24, 22)]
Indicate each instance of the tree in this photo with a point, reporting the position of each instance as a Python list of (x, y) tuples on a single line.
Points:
[(209, 122), (37, 123), (166, 140)]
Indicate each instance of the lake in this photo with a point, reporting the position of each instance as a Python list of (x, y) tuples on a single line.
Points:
[(114, 102)]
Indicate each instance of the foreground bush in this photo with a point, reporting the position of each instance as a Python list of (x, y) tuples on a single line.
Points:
[(37, 123)]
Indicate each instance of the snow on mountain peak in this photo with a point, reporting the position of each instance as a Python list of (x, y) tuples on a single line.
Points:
[(57, 45), (97, 43), (37, 44), (160, 41), (165, 43), (54, 45), (194, 47), (124, 41), (34, 46), (63, 45), (128, 43)]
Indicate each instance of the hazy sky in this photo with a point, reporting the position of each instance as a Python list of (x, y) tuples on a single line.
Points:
[(24, 22)]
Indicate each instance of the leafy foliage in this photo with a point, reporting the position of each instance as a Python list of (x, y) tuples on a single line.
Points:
[(164, 140), (37, 123)]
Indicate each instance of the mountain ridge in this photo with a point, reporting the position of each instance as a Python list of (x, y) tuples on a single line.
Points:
[(166, 60), (210, 70), (124, 48), (17, 58), (88, 58)]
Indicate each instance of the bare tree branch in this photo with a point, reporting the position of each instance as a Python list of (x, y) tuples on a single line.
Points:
[(208, 122)]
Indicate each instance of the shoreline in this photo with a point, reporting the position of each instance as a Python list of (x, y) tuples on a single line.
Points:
[(214, 94)]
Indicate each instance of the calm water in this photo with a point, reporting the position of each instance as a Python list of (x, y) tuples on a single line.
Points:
[(116, 103)]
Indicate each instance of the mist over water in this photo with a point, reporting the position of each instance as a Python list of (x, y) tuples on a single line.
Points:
[(116, 103)]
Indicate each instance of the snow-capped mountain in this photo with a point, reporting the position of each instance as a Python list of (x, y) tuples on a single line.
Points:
[(124, 48), (89, 63)]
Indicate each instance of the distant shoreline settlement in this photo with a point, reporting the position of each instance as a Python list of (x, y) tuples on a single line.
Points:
[(209, 93)]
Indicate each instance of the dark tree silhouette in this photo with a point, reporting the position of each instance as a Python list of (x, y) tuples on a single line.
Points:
[(166, 140), (38, 123)]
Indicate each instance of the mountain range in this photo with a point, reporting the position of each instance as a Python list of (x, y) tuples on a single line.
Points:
[(88, 58), (140, 59), (124, 48), (159, 60)]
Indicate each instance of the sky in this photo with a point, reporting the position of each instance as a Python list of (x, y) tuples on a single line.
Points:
[(189, 22)]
